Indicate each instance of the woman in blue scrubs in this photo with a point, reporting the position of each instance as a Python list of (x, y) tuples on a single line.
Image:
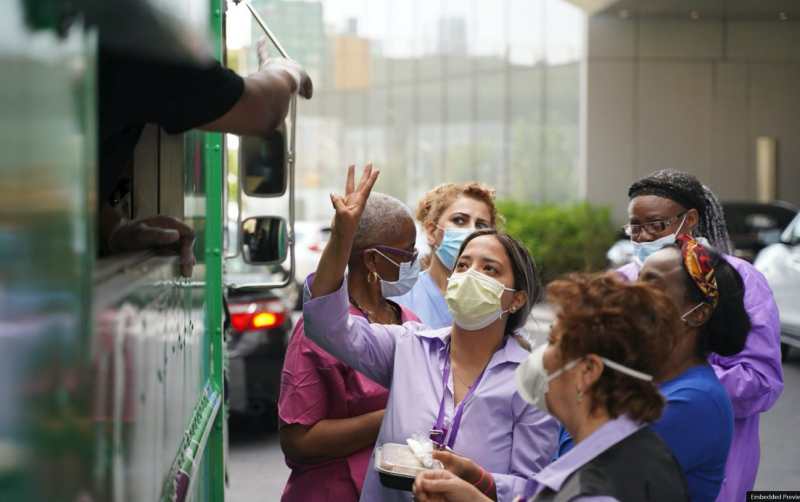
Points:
[(697, 424), (448, 214)]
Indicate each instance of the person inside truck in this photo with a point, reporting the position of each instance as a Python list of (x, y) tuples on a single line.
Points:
[(134, 90)]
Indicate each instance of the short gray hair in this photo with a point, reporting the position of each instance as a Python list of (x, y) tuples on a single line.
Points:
[(382, 221)]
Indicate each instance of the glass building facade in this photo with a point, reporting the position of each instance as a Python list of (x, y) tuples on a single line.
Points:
[(436, 90)]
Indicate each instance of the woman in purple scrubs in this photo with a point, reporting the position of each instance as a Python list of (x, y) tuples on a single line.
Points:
[(595, 377), (455, 383), (664, 205)]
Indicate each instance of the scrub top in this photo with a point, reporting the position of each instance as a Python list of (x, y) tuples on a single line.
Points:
[(697, 425), (427, 301), (498, 430), (753, 378), (314, 387)]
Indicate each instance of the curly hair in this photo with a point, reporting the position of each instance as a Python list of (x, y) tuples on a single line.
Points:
[(432, 206), (631, 324), (435, 202)]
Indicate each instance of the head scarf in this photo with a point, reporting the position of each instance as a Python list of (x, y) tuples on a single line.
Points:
[(698, 264), (677, 186)]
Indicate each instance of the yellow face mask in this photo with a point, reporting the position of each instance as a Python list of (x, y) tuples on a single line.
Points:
[(474, 299)]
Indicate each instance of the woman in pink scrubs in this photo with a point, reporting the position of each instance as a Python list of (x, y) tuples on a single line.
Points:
[(330, 414)]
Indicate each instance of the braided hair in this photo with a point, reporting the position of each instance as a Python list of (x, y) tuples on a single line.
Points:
[(686, 190)]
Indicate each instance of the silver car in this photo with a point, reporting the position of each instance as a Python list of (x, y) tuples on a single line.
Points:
[(780, 264)]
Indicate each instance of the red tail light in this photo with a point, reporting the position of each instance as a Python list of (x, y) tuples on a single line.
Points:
[(257, 315)]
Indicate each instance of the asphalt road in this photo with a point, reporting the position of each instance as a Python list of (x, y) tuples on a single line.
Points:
[(257, 471)]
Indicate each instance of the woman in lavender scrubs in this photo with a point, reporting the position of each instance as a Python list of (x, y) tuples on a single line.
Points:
[(455, 383), (595, 376)]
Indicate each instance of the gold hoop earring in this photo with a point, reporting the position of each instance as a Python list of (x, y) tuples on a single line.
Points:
[(374, 276)]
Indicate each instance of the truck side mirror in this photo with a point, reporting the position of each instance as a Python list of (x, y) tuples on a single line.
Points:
[(264, 240), (264, 167)]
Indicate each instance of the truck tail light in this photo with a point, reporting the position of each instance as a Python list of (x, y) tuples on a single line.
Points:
[(261, 315)]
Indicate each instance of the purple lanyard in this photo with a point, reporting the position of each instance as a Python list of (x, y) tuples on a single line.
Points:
[(439, 432)]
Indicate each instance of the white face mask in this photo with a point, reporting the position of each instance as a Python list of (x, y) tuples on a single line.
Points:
[(532, 378), (683, 317), (474, 299), (642, 250), (409, 273)]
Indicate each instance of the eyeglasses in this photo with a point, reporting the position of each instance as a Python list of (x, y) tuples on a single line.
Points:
[(394, 251), (651, 228)]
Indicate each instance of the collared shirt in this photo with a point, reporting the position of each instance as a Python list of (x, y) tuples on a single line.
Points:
[(427, 301), (554, 475), (314, 387), (697, 425), (499, 431), (753, 378)]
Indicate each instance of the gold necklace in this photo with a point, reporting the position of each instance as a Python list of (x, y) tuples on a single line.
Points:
[(372, 318), (459, 377)]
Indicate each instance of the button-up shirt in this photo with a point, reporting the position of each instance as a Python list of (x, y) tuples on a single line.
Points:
[(499, 431), (427, 301), (753, 378)]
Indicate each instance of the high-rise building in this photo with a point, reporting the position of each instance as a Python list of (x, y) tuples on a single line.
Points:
[(299, 27), (452, 36)]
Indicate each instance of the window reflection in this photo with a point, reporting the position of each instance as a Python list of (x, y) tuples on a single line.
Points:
[(437, 90)]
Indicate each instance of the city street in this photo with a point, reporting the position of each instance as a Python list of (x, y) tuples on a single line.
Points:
[(257, 471)]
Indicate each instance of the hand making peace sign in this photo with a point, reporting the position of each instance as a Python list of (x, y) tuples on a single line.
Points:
[(350, 207)]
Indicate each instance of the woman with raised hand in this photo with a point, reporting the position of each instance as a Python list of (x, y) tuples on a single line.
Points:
[(329, 413), (665, 205), (457, 382), (595, 377), (448, 214), (698, 422)]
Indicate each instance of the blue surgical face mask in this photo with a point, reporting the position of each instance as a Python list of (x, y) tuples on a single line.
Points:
[(409, 272), (451, 243), (642, 250)]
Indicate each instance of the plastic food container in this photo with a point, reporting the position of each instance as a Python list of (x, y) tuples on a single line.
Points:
[(398, 467)]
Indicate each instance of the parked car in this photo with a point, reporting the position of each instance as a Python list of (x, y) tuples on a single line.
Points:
[(621, 253), (751, 227), (780, 264), (310, 239), (257, 338)]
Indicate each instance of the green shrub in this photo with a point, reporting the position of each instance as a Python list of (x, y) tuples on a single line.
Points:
[(562, 239)]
